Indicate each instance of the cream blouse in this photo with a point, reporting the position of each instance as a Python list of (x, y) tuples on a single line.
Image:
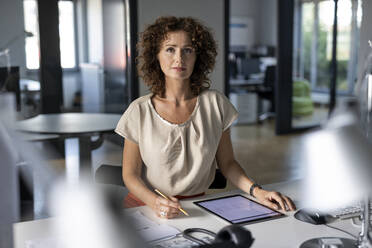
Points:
[(179, 159)]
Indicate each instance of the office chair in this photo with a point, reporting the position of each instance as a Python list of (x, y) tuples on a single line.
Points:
[(267, 91), (112, 174)]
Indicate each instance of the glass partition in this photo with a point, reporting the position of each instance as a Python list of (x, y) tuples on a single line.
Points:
[(312, 61)]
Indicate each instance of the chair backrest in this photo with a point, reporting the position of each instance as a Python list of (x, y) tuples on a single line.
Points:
[(270, 76), (10, 82), (109, 174)]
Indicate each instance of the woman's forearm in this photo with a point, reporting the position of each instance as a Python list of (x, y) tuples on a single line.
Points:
[(137, 187), (235, 174)]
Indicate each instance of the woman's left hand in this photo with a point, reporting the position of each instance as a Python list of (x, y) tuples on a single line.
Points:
[(274, 200)]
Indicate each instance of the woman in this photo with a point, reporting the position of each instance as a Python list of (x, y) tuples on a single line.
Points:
[(177, 135)]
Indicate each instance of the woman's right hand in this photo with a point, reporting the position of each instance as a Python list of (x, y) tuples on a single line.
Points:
[(166, 209)]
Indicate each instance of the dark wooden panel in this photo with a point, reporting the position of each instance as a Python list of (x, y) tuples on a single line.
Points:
[(50, 62), (333, 85), (283, 92), (131, 11), (227, 46)]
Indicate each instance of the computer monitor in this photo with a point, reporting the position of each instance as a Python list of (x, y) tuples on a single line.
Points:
[(250, 66), (10, 82)]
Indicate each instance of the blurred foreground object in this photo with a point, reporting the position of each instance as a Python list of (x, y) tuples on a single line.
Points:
[(365, 239), (88, 217), (339, 162), (364, 93), (9, 192), (85, 215)]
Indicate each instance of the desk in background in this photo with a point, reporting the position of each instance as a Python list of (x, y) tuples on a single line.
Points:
[(73, 125), (244, 97), (280, 233), (246, 83)]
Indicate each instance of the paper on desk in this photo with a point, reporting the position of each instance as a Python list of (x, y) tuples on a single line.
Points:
[(180, 242), (149, 230), (43, 243)]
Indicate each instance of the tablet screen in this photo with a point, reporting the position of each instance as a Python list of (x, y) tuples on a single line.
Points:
[(238, 209)]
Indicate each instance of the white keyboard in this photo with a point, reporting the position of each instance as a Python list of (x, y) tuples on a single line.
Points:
[(348, 212)]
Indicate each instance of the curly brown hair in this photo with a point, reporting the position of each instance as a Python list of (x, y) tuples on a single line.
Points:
[(149, 46)]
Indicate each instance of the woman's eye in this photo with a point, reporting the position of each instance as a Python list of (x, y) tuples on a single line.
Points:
[(188, 50), (170, 49)]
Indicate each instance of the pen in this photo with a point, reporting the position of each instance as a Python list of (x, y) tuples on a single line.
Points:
[(166, 197)]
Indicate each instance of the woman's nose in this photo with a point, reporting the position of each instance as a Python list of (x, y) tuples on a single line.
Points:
[(179, 56)]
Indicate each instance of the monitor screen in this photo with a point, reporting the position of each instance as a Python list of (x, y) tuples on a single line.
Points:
[(250, 66)]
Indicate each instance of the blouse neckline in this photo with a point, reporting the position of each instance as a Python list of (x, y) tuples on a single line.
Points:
[(170, 123)]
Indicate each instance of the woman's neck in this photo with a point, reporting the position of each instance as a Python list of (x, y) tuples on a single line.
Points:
[(177, 90)]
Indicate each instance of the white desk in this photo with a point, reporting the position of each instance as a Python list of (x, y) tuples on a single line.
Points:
[(280, 233)]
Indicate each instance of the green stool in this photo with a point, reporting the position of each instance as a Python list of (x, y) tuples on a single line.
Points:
[(302, 103)]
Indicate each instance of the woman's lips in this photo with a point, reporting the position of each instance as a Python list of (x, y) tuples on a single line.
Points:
[(179, 69)]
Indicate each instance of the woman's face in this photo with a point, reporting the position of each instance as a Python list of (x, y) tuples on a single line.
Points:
[(177, 56)]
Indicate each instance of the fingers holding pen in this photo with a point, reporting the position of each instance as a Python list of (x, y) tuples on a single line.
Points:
[(166, 208)]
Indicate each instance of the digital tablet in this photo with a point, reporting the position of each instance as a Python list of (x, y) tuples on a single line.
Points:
[(237, 209)]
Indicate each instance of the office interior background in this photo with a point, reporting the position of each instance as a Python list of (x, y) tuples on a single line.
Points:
[(95, 44), (84, 61)]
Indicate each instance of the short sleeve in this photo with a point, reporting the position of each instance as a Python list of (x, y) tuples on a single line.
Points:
[(127, 126), (229, 113)]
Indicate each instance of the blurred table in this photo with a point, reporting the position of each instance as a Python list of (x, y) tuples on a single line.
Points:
[(280, 233), (82, 126)]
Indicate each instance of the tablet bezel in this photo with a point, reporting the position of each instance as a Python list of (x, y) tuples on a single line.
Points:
[(259, 219)]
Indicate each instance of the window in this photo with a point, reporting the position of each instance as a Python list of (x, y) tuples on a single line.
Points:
[(66, 34), (315, 34), (32, 43)]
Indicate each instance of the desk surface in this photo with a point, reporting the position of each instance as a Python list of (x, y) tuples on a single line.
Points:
[(70, 123), (280, 233), (246, 82)]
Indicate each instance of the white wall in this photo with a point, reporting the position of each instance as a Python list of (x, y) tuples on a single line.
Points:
[(250, 9), (268, 22), (264, 15), (365, 34), (95, 42), (11, 26), (210, 12)]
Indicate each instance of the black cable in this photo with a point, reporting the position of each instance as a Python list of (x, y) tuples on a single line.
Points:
[(341, 230)]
